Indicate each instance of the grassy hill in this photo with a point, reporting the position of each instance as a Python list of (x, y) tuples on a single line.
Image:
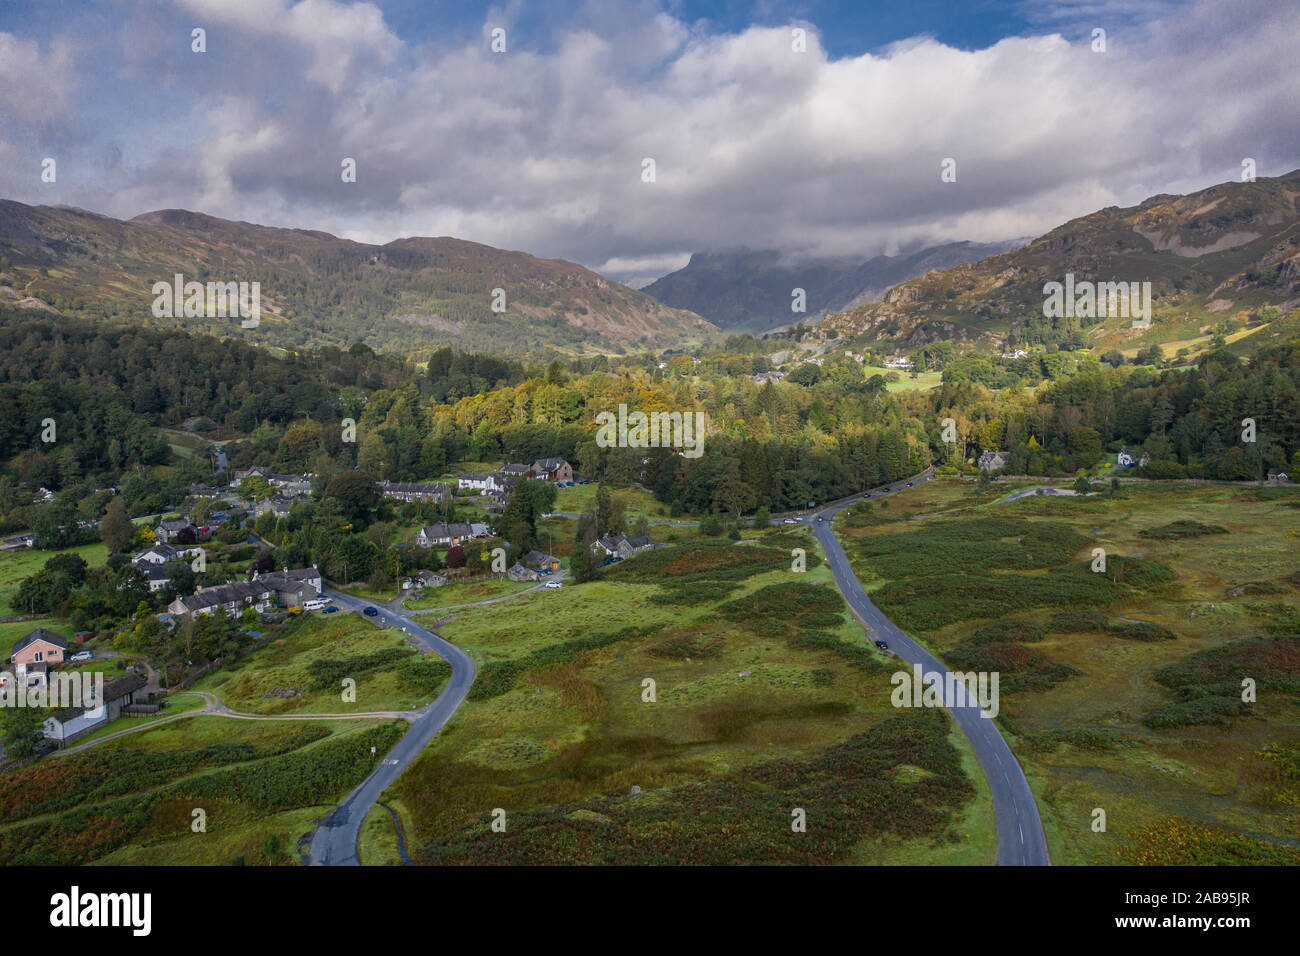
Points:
[(318, 289), (1221, 253)]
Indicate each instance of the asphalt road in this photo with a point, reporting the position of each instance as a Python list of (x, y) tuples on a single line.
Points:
[(1021, 841), (335, 841)]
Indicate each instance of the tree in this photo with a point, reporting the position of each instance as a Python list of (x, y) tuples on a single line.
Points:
[(455, 556), (356, 494), (1082, 485), (115, 528), (20, 726)]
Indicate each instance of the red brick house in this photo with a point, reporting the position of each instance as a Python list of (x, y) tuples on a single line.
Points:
[(553, 469)]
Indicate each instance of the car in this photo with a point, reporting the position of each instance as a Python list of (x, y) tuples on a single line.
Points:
[(314, 605), (330, 610), (820, 518), (882, 645), (81, 656), (295, 610), (552, 585), (790, 521), (370, 612), (909, 484)]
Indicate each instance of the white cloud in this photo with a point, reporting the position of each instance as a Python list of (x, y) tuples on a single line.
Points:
[(540, 148)]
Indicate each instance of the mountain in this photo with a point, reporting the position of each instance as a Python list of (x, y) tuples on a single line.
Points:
[(318, 289), (1227, 253), (752, 290)]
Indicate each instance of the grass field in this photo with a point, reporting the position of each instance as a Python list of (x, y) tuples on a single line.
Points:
[(468, 592), (1126, 698), (766, 699), (24, 562), (304, 671), (257, 786), (637, 503), (905, 382)]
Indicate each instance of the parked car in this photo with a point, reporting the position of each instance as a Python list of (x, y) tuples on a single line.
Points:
[(882, 645), (330, 610), (790, 521), (81, 656), (552, 585), (295, 610), (313, 605), (370, 612)]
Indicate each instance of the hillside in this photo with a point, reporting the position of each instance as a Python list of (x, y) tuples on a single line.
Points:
[(750, 290), (1222, 253), (318, 289)]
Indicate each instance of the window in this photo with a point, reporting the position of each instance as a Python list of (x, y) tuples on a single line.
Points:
[(38, 656)]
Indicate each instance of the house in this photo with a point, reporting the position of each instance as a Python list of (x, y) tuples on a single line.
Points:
[(1277, 476), (499, 490), (553, 469), (231, 598), (443, 534), (541, 562), (993, 460), (70, 723), (160, 554), (621, 546), (479, 530), (248, 473), (157, 576), (278, 505), (292, 587), (431, 579), (40, 647), (518, 572), (898, 363), (291, 485), (517, 471), (1127, 459), (413, 491), (167, 531), (474, 482)]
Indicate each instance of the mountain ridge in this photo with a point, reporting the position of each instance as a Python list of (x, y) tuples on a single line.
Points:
[(410, 293), (751, 289)]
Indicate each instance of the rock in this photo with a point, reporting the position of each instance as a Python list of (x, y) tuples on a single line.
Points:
[(636, 791), (746, 673)]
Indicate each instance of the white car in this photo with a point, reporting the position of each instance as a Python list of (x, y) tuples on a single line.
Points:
[(81, 656), (313, 605), (790, 521), (552, 585)]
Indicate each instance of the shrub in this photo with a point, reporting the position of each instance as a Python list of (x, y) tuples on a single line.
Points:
[(1141, 631)]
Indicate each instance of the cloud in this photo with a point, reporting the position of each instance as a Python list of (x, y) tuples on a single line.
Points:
[(35, 87), (756, 145)]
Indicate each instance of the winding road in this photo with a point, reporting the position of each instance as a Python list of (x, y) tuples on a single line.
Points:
[(1021, 841), (335, 841)]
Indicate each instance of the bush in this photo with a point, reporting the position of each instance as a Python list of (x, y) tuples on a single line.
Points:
[(1141, 631), (1023, 632), (1077, 620)]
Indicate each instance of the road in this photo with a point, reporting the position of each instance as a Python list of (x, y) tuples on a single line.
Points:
[(1021, 841), (335, 841)]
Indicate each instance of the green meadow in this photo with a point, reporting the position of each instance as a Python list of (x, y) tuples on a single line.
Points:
[(1121, 689)]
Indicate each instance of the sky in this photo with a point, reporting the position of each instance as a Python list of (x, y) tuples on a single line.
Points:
[(817, 128)]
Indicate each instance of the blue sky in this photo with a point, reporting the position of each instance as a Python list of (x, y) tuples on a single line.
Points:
[(834, 149)]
